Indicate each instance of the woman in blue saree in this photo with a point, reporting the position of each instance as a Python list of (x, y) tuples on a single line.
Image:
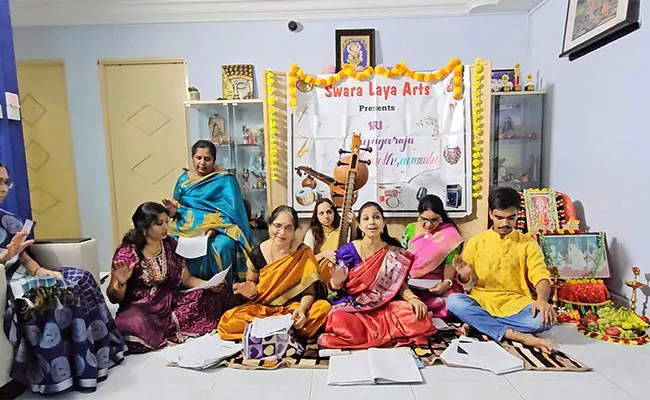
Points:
[(57, 321), (209, 201)]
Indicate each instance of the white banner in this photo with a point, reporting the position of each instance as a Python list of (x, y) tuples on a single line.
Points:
[(419, 134)]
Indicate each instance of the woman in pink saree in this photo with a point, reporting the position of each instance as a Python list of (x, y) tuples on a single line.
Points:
[(435, 242)]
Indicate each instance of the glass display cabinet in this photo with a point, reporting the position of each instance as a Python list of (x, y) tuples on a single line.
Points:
[(517, 128), (236, 127)]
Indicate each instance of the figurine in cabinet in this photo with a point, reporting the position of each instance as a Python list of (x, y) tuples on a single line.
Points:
[(245, 175), (217, 128), (248, 136), (257, 169)]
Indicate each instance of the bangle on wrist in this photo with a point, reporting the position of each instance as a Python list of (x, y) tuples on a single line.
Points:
[(36, 270), (451, 283)]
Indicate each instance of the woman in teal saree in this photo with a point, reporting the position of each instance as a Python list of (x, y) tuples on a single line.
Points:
[(209, 201)]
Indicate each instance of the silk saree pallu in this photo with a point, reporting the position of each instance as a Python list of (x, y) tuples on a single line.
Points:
[(214, 202), (331, 243), (371, 316), (280, 284), (431, 250)]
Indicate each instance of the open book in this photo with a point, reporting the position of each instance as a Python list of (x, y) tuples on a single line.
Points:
[(374, 366), (489, 356)]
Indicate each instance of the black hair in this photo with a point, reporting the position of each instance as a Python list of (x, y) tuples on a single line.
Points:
[(317, 228), (205, 144), (281, 209), (143, 218), (4, 166), (431, 202), (385, 236), (504, 198)]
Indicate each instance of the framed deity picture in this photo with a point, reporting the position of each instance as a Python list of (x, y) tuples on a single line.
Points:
[(580, 255), (591, 24), (237, 81), (355, 47), (541, 211)]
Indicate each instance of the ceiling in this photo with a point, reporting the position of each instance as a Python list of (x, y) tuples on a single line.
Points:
[(103, 12)]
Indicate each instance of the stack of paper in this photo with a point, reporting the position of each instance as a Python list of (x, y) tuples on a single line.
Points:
[(423, 284), (192, 247), (489, 356), (200, 353), (374, 366), (265, 327)]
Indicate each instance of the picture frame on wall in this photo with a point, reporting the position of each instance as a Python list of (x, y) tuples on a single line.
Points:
[(499, 83), (592, 24), (355, 47), (579, 255)]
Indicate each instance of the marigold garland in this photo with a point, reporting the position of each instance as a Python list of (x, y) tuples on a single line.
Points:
[(297, 74), (638, 341), (478, 129), (273, 125)]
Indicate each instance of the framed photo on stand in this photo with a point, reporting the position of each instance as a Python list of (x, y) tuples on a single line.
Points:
[(355, 47), (579, 255), (503, 80), (592, 24)]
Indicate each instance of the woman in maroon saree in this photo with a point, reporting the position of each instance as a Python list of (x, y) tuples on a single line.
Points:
[(147, 278), (378, 309)]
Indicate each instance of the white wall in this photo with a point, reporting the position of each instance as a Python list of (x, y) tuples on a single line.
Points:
[(598, 145), (425, 43)]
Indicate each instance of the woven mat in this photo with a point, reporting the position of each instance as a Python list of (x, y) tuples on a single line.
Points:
[(534, 359)]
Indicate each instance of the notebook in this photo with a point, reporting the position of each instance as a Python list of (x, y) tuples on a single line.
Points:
[(374, 366), (489, 356)]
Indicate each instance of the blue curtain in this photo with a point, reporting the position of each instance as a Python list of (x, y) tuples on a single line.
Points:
[(12, 148)]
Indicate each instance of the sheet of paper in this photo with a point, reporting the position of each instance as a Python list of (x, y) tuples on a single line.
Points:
[(394, 366), (13, 106), (214, 281), (352, 369), (193, 247), (263, 327), (424, 284), (440, 324)]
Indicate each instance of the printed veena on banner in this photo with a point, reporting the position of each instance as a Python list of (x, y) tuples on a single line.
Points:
[(419, 134)]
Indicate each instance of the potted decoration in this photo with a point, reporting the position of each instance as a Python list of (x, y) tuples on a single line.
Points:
[(195, 95)]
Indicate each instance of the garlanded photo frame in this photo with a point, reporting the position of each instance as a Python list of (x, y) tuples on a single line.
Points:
[(355, 47), (578, 255), (592, 24)]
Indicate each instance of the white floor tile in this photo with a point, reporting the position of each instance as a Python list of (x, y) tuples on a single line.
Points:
[(321, 391), (282, 384), (526, 376), (466, 390), (441, 373), (594, 390)]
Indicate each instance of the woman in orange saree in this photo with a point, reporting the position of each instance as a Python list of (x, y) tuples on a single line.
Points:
[(378, 309), (282, 279)]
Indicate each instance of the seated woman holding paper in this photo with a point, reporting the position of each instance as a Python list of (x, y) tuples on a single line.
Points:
[(378, 308), (282, 279), (57, 321), (435, 242), (208, 200), (323, 234), (147, 279)]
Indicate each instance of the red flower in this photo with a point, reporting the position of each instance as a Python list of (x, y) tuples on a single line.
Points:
[(626, 341), (639, 285), (645, 318), (636, 270)]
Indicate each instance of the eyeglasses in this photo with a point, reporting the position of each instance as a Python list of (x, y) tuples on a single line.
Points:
[(435, 220), (279, 227), (9, 184)]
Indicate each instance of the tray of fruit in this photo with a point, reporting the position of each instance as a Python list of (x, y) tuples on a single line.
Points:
[(615, 325)]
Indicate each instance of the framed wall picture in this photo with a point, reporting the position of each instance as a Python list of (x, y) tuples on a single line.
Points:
[(499, 83), (580, 255), (591, 24), (355, 47), (237, 81), (541, 211)]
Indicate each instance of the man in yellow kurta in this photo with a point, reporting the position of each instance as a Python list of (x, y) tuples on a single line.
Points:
[(496, 268)]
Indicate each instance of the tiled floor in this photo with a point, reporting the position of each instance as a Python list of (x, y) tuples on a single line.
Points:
[(618, 374)]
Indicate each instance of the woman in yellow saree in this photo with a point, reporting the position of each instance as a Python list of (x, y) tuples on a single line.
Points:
[(323, 235), (282, 279)]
